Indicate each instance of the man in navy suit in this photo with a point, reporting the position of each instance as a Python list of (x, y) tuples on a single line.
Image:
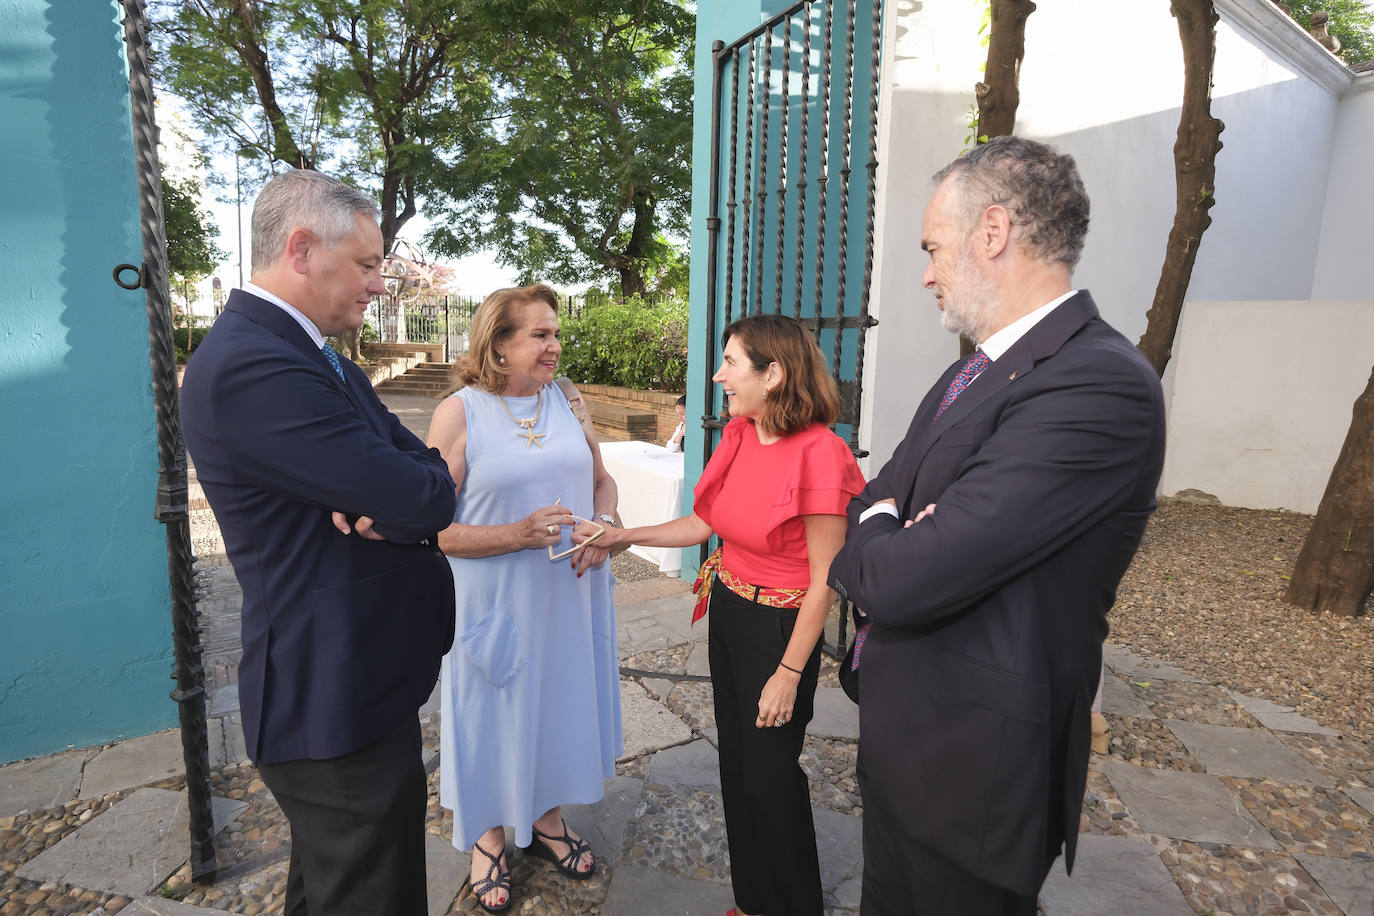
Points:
[(988, 550), (328, 507)]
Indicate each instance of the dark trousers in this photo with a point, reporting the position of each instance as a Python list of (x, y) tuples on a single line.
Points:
[(357, 828), (773, 862), (903, 878)]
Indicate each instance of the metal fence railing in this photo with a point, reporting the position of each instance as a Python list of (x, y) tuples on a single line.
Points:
[(446, 319), (438, 320)]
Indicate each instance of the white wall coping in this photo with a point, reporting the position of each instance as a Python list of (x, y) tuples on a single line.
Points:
[(1270, 27)]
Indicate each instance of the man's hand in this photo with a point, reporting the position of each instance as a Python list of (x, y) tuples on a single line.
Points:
[(928, 510), (363, 526)]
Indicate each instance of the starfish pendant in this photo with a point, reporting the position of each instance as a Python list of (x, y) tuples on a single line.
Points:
[(532, 437)]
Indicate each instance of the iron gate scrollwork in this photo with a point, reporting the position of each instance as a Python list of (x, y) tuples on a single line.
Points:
[(172, 509), (788, 99)]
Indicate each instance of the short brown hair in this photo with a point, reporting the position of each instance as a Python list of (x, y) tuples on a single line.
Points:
[(808, 394), (492, 323)]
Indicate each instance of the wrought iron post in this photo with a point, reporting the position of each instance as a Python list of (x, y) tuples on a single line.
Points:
[(171, 489), (840, 61)]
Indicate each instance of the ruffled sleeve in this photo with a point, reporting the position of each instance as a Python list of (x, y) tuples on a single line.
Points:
[(713, 475), (820, 480)]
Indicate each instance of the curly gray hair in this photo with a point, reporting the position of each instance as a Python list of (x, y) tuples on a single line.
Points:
[(1038, 186), (301, 197)]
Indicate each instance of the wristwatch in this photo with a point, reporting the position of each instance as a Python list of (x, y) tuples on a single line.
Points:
[(603, 517)]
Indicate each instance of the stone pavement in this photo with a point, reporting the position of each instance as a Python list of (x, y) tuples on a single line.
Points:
[(1208, 802)]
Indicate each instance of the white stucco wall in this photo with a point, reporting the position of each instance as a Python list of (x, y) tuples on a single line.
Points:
[(1345, 255), (1262, 398), (1286, 105), (923, 120)]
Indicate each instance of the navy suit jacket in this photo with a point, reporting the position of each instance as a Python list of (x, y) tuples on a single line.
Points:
[(342, 636), (989, 615)]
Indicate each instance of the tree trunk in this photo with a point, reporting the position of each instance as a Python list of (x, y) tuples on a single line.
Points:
[(629, 263), (1335, 569), (1000, 94), (245, 40), (1195, 171)]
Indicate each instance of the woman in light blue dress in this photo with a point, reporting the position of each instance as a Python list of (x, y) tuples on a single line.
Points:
[(530, 691)]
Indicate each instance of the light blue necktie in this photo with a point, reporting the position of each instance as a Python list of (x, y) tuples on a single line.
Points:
[(333, 358)]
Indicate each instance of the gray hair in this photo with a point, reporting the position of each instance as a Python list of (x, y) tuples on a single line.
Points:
[(1038, 186), (301, 197)]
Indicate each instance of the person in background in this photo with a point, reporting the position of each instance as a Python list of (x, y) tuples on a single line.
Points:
[(775, 490), (674, 443), (530, 693)]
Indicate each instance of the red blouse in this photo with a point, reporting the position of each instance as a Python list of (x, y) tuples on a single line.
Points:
[(754, 496)]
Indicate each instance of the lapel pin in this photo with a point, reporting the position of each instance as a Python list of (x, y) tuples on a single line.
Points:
[(1012, 377)]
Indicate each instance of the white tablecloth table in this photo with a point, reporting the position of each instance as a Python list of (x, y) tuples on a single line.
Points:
[(649, 479)]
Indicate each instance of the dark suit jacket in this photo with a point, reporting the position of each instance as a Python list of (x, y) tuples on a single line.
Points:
[(989, 616), (342, 636)]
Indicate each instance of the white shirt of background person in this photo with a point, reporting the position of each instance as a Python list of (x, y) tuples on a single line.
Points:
[(674, 443)]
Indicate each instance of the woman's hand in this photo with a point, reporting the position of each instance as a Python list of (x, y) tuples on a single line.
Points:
[(613, 538), (778, 698), (542, 527), (595, 553)]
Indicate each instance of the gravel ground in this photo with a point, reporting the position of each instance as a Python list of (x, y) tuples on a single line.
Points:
[(1205, 594)]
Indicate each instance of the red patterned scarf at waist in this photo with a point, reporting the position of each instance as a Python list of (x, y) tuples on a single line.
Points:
[(769, 597)]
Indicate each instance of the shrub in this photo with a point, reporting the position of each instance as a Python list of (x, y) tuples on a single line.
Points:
[(179, 339), (628, 343)]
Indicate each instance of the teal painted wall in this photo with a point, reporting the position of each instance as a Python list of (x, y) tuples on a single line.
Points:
[(85, 645), (727, 20)]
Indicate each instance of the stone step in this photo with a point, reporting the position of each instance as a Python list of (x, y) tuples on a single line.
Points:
[(408, 386), (622, 423)]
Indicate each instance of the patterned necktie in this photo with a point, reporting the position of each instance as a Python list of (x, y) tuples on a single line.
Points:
[(977, 361), (333, 358)]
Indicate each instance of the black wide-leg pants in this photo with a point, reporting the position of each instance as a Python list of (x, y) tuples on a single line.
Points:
[(357, 828), (773, 862)]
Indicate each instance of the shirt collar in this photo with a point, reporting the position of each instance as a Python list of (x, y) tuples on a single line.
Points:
[(306, 324), (1003, 340)]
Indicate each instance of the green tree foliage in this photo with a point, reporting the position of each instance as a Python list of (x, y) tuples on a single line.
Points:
[(629, 343), (360, 87), (1352, 21), (583, 171), (191, 249)]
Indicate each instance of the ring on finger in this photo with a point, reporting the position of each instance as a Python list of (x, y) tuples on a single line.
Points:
[(551, 529)]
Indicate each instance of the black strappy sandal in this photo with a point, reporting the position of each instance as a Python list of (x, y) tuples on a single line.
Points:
[(567, 864), (501, 881)]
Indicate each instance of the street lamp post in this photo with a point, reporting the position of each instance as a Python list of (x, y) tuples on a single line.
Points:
[(238, 209), (243, 152)]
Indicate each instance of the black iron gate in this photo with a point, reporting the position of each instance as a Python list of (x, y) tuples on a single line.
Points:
[(171, 490), (788, 100)]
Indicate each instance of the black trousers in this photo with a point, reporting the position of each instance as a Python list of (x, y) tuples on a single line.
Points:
[(357, 828), (903, 878), (773, 862)]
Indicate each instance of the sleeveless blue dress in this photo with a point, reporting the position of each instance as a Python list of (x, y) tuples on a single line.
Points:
[(530, 692)]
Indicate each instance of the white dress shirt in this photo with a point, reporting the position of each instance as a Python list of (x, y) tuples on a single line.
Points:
[(279, 302), (995, 346)]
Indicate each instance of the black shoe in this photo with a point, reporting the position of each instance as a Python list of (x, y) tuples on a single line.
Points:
[(497, 878), (567, 864)]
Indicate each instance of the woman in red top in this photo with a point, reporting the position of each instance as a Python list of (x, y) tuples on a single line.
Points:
[(775, 491)]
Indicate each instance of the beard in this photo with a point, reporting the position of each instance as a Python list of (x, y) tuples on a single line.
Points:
[(969, 301)]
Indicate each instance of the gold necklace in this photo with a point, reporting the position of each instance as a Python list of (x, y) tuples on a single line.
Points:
[(527, 424)]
